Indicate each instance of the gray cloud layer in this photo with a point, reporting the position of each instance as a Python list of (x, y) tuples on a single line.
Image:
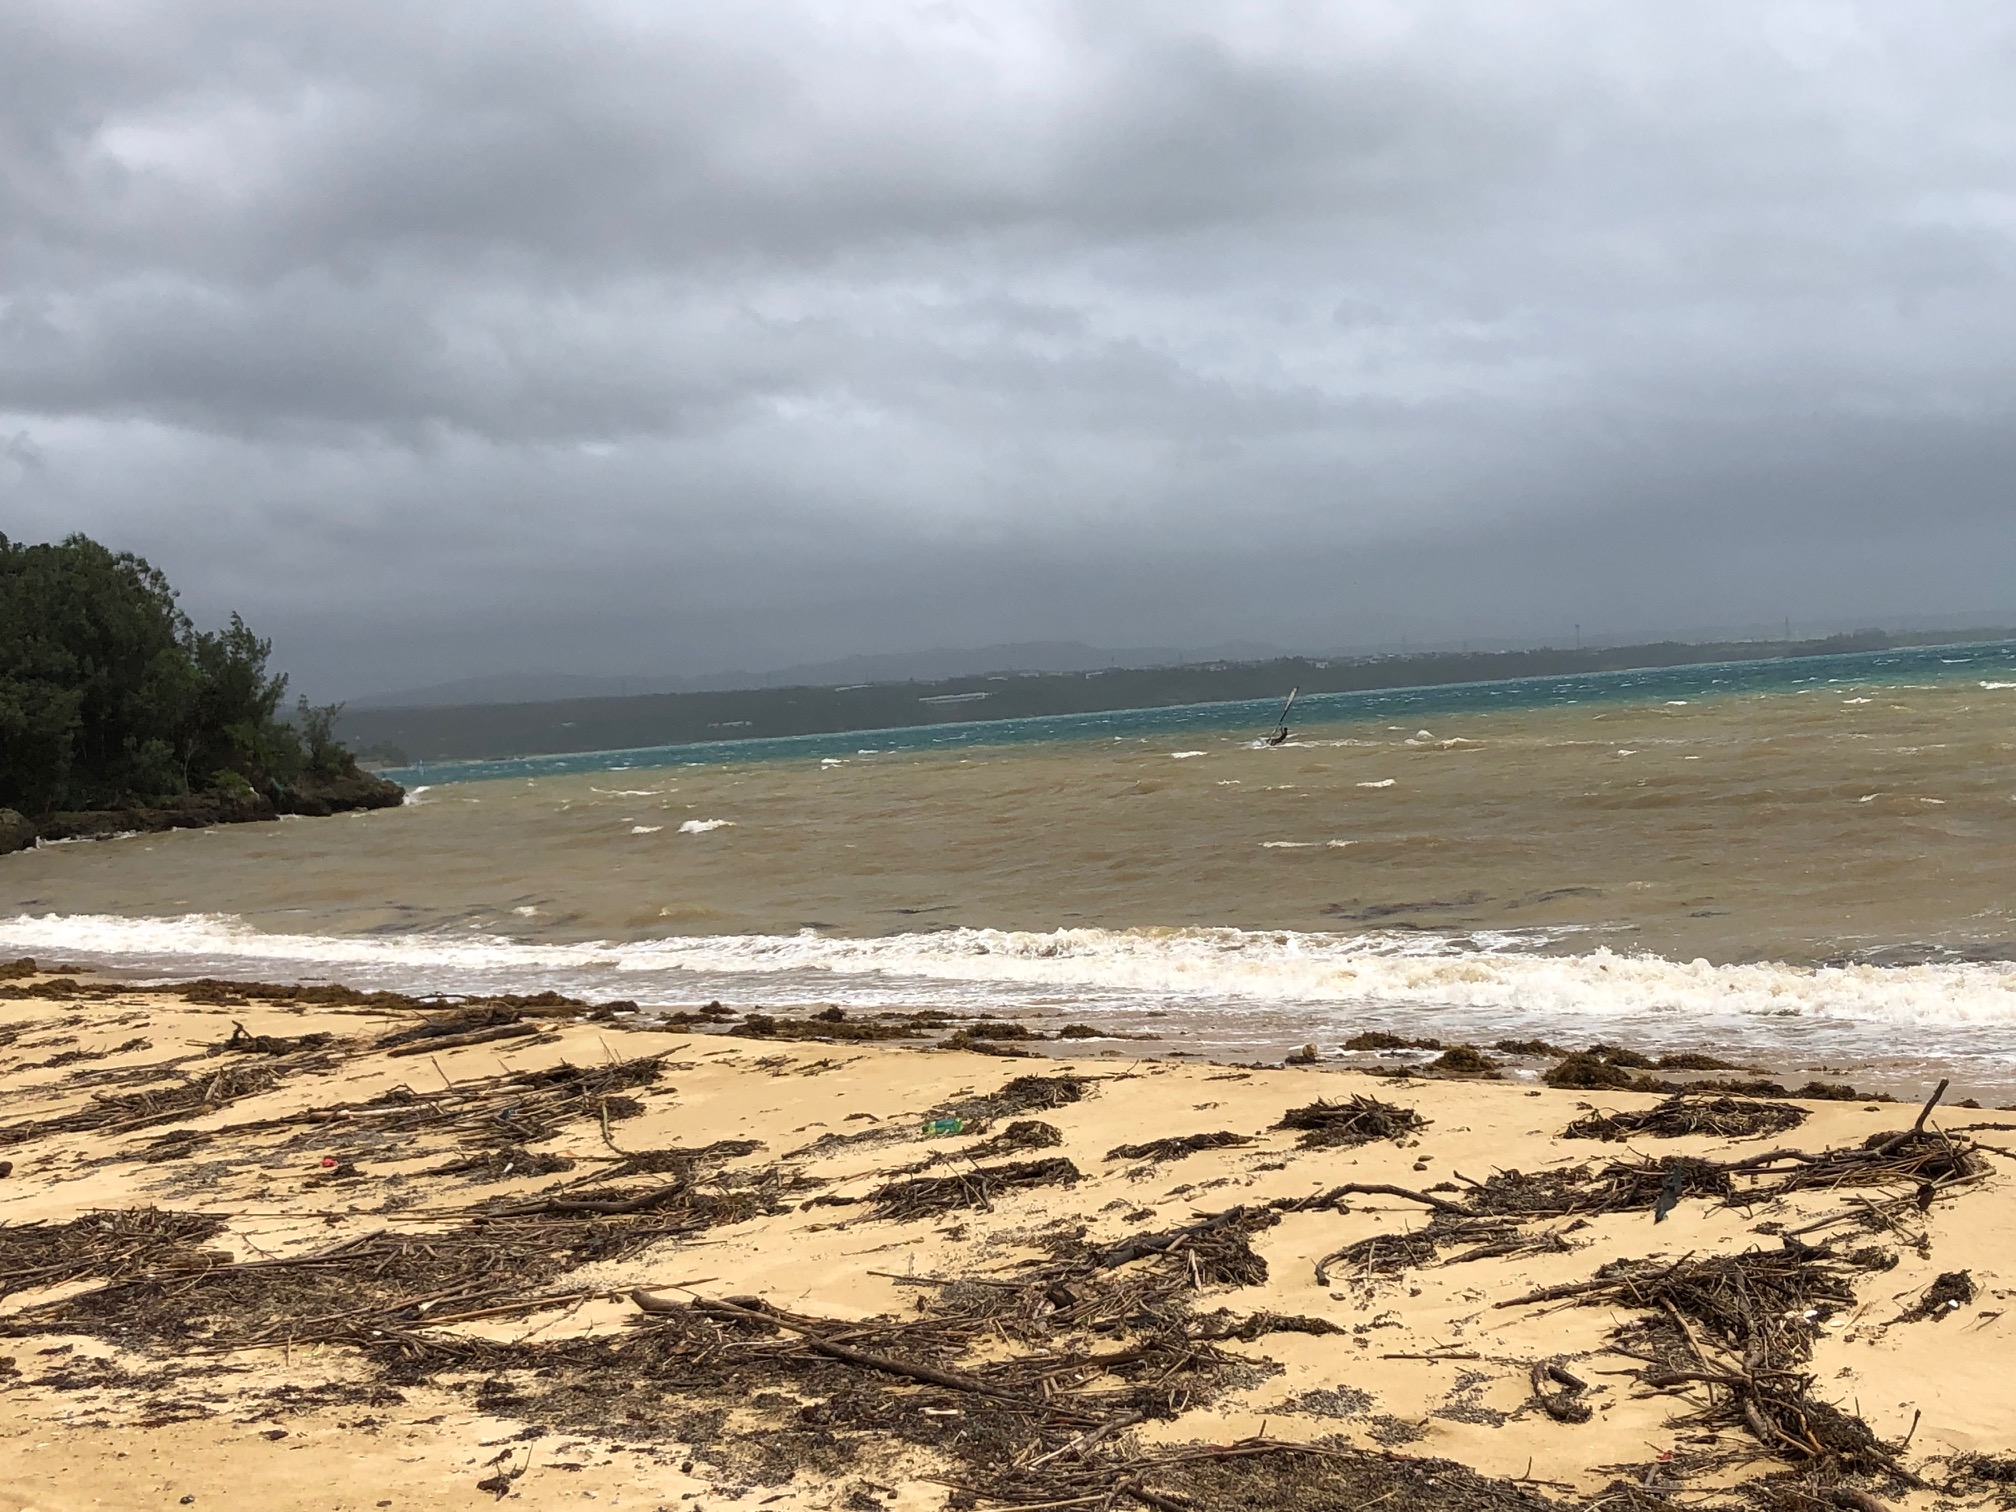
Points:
[(449, 338)]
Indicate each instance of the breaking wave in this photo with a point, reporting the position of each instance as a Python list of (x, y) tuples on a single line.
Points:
[(1509, 979)]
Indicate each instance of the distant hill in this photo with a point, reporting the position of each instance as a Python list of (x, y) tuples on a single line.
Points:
[(480, 731), (895, 667)]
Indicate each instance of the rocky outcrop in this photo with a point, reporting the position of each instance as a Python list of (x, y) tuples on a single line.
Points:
[(16, 831), (196, 811), (317, 796), (355, 789)]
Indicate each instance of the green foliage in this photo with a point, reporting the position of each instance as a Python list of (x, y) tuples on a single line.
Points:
[(315, 725), (231, 785), (109, 696)]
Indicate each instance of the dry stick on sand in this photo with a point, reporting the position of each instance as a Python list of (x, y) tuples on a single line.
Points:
[(473, 1037)]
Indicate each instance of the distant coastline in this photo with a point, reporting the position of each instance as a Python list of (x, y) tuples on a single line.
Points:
[(395, 739)]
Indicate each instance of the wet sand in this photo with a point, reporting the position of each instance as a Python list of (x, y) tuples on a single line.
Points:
[(127, 1389)]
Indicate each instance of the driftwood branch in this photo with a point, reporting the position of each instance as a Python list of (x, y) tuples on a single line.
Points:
[(1385, 1189), (472, 1037)]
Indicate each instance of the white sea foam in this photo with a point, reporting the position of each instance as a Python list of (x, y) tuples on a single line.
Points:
[(645, 829), (1993, 685), (1230, 970), (702, 826), (1183, 755), (1384, 782), (1287, 844)]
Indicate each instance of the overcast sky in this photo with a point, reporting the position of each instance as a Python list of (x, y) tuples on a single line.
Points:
[(444, 339)]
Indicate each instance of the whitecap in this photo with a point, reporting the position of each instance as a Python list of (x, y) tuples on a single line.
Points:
[(1384, 782), (1287, 845), (1497, 972), (645, 829), (1992, 685), (702, 826), (1183, 755)]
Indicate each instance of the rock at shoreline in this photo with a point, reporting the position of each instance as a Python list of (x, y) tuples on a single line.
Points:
[(315, 796), (16, 832), (320, 796)]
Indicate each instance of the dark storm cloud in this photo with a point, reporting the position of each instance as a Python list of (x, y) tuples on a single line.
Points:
[(452, 338)]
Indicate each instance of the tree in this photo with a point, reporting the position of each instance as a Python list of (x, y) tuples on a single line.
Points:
[(315, 725), (109, 696), (231, 725)]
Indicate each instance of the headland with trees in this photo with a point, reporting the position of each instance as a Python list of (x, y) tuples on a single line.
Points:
[(118, 714)]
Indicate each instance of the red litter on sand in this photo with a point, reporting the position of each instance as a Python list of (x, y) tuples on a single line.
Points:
[(329, 1162)]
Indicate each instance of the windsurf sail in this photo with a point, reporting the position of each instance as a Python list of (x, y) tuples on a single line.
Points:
[(1281, 724)]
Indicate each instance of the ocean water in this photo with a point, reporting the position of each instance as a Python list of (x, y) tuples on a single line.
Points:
[(1806, 863)]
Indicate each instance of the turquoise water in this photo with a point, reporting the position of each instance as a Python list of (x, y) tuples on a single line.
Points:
[(1699, 680)]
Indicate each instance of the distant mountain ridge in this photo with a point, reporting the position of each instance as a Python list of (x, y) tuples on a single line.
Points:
[(902, 666), (397, 736)]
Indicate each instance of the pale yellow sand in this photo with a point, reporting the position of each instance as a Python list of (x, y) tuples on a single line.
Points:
[(75, 1450)]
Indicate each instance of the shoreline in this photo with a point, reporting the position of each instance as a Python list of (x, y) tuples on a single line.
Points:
[(312, 799), (1382, 1038), (1151, 1213)]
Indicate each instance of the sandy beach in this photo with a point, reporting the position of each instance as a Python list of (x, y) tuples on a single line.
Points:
[(346, 1253)]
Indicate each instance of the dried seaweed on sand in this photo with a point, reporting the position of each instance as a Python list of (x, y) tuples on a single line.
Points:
[(1680, 1115), (922, 1196), (1177, 1146), (1215, 1251), (184, 1097), (375, 1290), (244, 1042), (109, 1243), (1023, 1134), (1022, 1094), (1461, 1240), (1355, 1121), (1739, 1327), (521, 1107), (1328, 1474)]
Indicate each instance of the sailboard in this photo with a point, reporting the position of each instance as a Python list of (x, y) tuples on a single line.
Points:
[(1280, 734)]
